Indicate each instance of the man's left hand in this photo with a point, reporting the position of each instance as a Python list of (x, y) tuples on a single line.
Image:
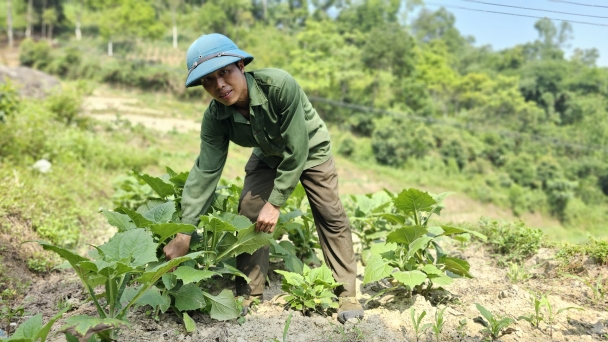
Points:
[(267, 220)]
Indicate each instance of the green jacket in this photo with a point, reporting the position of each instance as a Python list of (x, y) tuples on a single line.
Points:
[(284, 129)]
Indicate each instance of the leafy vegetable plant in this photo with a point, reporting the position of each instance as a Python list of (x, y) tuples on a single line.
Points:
[(412, 256), (33, 330), (494, 327), (310, 292), (365, 213), (222, 235), (128, 258)]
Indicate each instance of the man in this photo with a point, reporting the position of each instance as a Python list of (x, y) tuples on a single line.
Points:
[(267, 110)]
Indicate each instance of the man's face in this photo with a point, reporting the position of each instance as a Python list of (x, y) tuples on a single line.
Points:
[(227, 85)]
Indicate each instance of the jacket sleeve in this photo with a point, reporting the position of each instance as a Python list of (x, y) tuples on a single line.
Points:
[(205, 174), (295, 136)]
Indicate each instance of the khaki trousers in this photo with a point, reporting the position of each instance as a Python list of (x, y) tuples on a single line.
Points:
[(333, 228)]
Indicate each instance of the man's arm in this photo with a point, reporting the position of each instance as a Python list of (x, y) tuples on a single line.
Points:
[(201, 183), (295, 137)]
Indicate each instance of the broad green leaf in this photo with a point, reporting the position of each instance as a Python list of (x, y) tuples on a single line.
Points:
[(376, 269), (434, 230), (276, 248), (82, 324), (393, 218), (70, 257), (28, 329), (248, 241), (441, 280), (293, 264), (161, 213), (74, 259), (165, 230), (149, 205), (286, 217), (151, 297), (188, 297), (454, 230), (456, 266), (413, 201), (136, 246), (118, 220), (418, 244), (289, 246), (410, 278), (406, 235), (386, 250), (214, 224), (431, 269), (44, 331), (320, 274), (169, 280), (159, 186), (237, 221), (138, 219), (188, 323), (151, 276), (227, 269), (179, 180), (170, 172), (291, 278), (112, 268), (190, 275), (223, 306)]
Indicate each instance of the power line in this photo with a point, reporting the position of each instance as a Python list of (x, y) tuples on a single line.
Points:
[(537, 9), (578, 3), (514, 14), (468, 126)]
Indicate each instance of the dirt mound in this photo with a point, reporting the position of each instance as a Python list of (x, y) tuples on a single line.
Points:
[(31, 83)]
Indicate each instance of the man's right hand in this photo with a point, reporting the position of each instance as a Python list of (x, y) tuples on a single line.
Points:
[(177, 247)]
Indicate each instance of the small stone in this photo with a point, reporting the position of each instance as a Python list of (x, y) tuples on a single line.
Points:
[(42, 165), (504, 294)]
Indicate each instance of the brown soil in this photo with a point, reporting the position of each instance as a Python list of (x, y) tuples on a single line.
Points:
[(387, 318)]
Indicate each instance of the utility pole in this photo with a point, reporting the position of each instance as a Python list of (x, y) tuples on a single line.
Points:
[(9, 22), (28, 29)]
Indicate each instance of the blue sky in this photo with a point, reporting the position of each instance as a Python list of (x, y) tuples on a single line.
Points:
[(502, 31)]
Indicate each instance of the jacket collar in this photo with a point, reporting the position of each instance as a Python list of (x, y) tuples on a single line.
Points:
[(256, 98)]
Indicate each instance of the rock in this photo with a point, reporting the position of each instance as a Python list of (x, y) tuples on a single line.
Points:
[(42, 165), (3, 333), (598, 328), (31, 82)]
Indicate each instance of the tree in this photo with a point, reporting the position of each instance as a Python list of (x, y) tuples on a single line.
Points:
[(49, 17), (128, 18), (430, 26)]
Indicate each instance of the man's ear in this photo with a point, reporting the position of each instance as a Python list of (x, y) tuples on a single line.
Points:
[(241, 66)]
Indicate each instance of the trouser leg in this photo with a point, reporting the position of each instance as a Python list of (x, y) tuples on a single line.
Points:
[(333, 227), (259, 182)]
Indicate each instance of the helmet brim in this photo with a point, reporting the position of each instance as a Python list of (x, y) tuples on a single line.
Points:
[(207, 67)]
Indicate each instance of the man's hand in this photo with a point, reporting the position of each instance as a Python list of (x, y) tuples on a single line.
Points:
[(177, 247), (267, 220)]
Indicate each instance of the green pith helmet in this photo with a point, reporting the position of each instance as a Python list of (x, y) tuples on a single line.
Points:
[(209, 53)]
